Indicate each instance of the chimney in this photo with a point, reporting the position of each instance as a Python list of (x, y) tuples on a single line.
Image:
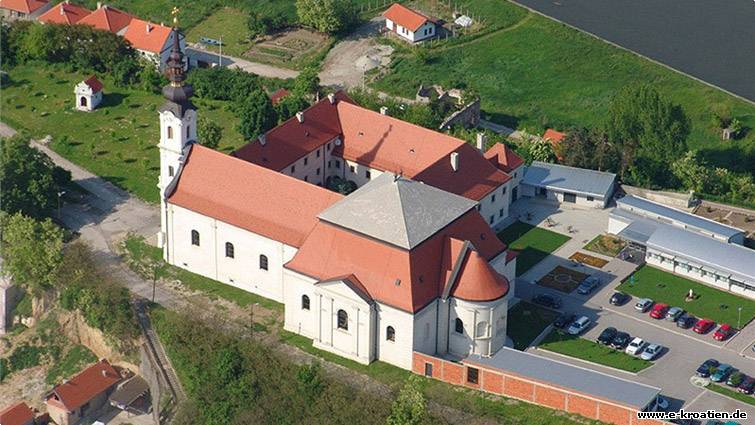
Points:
[(99, 4), (262, 139), (455, 161), (62, 9), (104, 373), (149, 27), (300, 116), (383, 110), (332, 98), (482, 140)]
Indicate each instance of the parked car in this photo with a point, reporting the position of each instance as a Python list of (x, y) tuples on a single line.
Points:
[(564, 320), (578, 326), (735, 379), (620, 340), (723, 333), (659, 311), (722, 372), (703, 326), (747, 385), (607, 335), (619, 298), (651, 351), (547, 300), (643, 305), (635, 347), (661, 404), (704, 369), (686, 321), (588, 285), (674, 313)]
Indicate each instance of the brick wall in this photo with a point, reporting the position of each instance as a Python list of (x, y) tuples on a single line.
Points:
[(497, 382)]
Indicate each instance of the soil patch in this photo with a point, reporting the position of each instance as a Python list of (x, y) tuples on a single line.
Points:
[(588, 259), (562, 279)]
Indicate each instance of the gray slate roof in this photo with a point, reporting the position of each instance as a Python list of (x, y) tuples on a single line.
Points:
[(569, 179), (642, 205), (397, 210), (564, 375)]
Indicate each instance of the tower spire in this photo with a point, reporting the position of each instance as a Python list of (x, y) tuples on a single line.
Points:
[(177, 93)]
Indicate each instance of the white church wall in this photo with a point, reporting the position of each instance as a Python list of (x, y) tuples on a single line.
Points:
[(399, 351), (494, 207), (296, 319), (484, 326)]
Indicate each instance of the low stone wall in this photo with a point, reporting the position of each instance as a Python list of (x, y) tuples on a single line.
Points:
[(468, 117), (531, 391)]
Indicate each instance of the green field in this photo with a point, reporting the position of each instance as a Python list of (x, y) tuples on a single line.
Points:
[(542, 74), (526, 321), (533, 243), (228, 24), (117, 141), (665, 287), (580, 348)]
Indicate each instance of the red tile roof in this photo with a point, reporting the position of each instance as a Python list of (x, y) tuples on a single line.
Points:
[(553, 135), (251, 197), (504, 158), (475, 279), (107, 18), (64, 13), (279, 94), (17, 414), (422, 272), (93, 83), (147, 36), (407, 18), (24, 6), (83, 387)]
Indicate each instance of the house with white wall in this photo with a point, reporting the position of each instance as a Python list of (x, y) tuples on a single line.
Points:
[(152, 41), (568, 185), (88, 94), (28, 10), (410, 24)]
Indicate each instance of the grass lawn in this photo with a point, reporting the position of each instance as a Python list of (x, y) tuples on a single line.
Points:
[(117, 141), (228, 23), (533, 243), (543, 74), (73, 362), (139, 254), (526, 321), (665, 287), (731, 393), (580, 348), (606, 245)]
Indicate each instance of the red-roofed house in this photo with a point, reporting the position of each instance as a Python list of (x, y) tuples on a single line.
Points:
[(88, 94), (64, 13), (153, 41), (82, 395), (410, 24), (108, 18), (407, 262), (505, 159), (12, 10), (17, 414), (277, 95)]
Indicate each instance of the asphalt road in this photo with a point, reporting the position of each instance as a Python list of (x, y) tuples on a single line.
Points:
[(713, 40)]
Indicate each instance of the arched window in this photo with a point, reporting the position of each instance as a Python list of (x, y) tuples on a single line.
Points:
[(188, 131), (195, 237), (83, 101), (229, 250), (343, 320), (459, 326), (170, 132), (304, 302), (263, 262), (390, 333), (482, 329)]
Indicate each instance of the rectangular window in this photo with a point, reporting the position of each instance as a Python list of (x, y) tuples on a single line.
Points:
[(570, 197), (492, 217), (293, 169), (351, 168), (318, 153), (330, 164), (318, 171), (429, 370), (306, 160), (503, 192), (590, 198), (338, 164), (492, 199), (170, 171), (367, 174), (500, 212), (306, 178), (473, 375)]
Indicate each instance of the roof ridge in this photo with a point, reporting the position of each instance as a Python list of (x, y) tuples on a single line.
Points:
[(405, 232)]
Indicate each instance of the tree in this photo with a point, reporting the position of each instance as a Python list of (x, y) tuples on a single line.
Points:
[(307, 82), (289, 105), (151, 80), (651, 130), (692, 172), (410, 407), (577, 148), (256, 114), (32, 251), (256, 25), (330, 16), (541, 150), (209, 133), (30, 181)]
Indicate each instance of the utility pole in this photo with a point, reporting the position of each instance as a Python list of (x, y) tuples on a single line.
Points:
[(739, 317)]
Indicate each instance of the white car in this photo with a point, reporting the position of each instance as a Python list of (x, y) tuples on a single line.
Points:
[(651, 351), (578, 326), (635, 346)]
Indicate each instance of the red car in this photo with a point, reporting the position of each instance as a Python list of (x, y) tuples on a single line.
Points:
[(703, 326), (659, 311), (723, 333)]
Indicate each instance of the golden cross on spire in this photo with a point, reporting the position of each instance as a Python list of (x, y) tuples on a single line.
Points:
[(174, 12)]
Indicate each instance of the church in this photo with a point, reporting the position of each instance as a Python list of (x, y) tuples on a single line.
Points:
[(408, 262)]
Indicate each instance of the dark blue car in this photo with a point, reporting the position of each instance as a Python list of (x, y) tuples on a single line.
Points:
[(704, 369)]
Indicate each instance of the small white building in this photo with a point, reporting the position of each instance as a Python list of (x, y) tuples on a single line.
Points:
[(410, 24), (88, 94), (568, 185)]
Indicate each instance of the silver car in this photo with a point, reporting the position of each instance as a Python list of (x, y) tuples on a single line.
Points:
[(651, 351), (674, 313), (578, 326), (643, 305)]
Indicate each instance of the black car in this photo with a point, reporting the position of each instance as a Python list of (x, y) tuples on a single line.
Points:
[(747, 385), (619, 298), (564, 320), (547, 300), (704, 369), (607, 336), (686, 321), (620, 340)]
